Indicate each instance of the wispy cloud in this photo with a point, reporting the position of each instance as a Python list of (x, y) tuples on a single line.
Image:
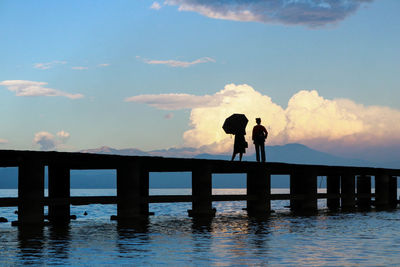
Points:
[(176, 101), (103, 65), (155, 6), (48, 65), (312, 13), (48, 141), (179, 64), (309, 119), (32, 88), (79, 68)]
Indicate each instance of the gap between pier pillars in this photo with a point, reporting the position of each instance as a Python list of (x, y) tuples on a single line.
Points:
[(132, 191), (202, 192), (303, 188), (59, 188), (258, 192), (30, 192)]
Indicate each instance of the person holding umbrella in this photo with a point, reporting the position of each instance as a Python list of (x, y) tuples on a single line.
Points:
[(240, 145), (236, 125)]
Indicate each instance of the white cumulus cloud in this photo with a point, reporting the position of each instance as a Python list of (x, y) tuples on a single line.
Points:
[(63, 135), (309, 119), (312, 13), (48, 141), (32, 88)]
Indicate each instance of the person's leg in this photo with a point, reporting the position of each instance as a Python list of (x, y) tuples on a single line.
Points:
[(257, 152), (233, 156), (240, 156), (263, 152)]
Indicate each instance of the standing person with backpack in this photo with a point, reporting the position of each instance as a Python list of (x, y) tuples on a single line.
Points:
[(259, 136)]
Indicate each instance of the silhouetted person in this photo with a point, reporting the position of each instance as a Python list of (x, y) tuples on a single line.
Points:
[(239, 146), (259, 136)]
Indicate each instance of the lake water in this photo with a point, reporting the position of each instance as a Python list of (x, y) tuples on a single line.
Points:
[(231, 238)]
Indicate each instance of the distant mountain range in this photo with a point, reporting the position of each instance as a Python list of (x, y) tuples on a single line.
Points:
[(290, 153)]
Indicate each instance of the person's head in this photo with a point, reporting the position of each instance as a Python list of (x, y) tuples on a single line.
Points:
[(258, 120)]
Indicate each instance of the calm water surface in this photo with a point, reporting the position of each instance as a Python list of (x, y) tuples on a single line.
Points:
[(231, 238)]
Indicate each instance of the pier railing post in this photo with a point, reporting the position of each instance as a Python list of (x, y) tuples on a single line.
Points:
[(132, 191), (202, 192), (333, 187), (258, 192), (59, 188), (303, 191), (364, 192), (30, 192), (348, 192)]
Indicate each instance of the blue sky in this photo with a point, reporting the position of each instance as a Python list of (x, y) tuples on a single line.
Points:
[(96, 55)]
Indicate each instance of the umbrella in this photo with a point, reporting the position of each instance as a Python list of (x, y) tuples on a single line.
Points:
[(234, 124)]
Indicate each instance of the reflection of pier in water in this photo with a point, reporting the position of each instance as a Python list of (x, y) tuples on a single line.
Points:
[(348, 188)]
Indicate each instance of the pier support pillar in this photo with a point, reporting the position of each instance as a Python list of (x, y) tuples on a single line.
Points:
[(333, 187), (258, 192), (385, 192), (364, 192), (202, 193), (303, 187), (382, 191), (348, 189), (393, 192), (132, 192), (59, 190), (30, 192)]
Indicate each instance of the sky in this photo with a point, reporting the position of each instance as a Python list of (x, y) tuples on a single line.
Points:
[(165, 74)]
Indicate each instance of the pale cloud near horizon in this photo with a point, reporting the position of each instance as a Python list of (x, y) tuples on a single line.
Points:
[(3, 141), (311, 13), (32, 88), (309, 119), (168, 116), (178, 63), (155, 6), (103, 65), (48, 65), (48, 141)]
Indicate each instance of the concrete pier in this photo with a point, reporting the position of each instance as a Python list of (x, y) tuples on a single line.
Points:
[(132, 176)]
